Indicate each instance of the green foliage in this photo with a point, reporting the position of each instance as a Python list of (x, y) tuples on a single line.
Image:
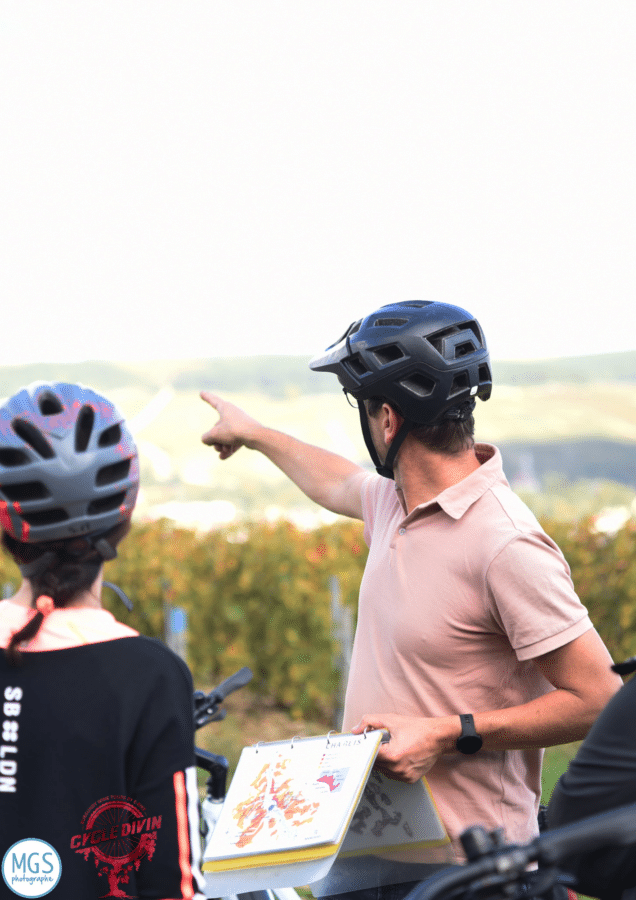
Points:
[(566, 500), (604, 574), (256, 596), (555, 763), (263, 600), (259, 596)]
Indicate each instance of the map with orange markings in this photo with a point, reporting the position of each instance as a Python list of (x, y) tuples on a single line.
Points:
[(286, 795), (275, 806)]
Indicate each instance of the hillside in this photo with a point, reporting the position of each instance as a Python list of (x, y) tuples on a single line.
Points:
[(569, 419), (280, 376)]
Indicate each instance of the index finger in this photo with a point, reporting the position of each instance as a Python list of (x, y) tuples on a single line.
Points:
[(213, 399), (369, 721)]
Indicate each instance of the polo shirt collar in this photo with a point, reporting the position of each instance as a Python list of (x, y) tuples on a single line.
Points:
[(458, 498)]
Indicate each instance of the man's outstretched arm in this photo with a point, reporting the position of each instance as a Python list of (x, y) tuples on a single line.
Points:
[(326, 478)]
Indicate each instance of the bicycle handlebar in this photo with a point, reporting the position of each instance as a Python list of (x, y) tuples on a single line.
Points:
[(616, 827), (206, 706)]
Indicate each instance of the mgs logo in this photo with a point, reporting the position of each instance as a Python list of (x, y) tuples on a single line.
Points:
[(31, 868), (118, 834)]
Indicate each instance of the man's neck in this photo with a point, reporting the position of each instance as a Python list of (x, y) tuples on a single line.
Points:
[(421, 474)]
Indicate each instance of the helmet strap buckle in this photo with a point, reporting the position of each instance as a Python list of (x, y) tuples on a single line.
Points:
[(105, 550)]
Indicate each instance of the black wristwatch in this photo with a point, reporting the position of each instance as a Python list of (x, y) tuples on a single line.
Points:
[(469, 741)]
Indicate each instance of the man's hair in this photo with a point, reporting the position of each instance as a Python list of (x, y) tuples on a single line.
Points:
[(446, 437)]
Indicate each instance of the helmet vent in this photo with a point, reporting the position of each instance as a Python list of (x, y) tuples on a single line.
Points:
[(437, 339), (27, 490), (390, 323), (460, 384), (106, 504), (389, 354), (484, 374), (84, 428), (419, 385), (110, 436), (45, 517), (115, 472), (467, 340), (10, 457), (50, 405), (31, 436), (356, 365), (464, 349)]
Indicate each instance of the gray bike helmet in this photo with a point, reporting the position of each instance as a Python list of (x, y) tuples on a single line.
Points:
[(428, 359), (68, 465)]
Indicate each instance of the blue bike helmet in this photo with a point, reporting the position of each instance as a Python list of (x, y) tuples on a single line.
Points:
[(428, 359), (68, 465)]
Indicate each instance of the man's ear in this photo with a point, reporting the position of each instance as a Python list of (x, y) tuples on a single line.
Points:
[(391, 422)]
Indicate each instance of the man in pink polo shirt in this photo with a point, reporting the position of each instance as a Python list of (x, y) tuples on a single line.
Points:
[(471, 647)]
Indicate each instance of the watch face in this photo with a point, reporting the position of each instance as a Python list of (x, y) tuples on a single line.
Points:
[(469, 743)]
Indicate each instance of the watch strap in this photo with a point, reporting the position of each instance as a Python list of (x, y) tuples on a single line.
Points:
[(469, 741)]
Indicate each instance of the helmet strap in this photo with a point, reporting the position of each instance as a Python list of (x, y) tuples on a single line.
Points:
[(385, 469), (125, 599), (50, 558)]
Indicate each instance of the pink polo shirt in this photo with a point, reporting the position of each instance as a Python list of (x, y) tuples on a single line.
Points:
[(456, 601)]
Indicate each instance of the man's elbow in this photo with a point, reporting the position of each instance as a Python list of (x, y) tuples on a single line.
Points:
[(599, 697)]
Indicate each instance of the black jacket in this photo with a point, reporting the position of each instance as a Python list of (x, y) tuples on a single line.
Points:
[(101, 737), (601, 777)]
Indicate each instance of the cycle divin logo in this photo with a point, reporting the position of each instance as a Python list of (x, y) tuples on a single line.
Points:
[(119, 834)]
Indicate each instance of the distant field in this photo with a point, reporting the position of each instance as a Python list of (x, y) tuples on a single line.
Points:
[(514, 416), (282, 376), (543, 413), (533, 403)]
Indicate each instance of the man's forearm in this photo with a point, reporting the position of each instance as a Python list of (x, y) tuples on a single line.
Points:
[(325, 477), (580, 672), (417, 743), (558, 717)]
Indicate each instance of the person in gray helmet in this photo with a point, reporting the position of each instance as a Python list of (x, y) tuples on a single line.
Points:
[(97, 740), (471, 646)]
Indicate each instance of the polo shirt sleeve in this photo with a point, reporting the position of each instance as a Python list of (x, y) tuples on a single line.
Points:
[(533, 598), (371, 489)]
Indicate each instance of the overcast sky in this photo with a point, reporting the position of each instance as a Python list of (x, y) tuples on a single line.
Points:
[(221, 177)]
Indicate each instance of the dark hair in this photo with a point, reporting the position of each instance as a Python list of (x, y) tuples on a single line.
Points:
[(449, 437), (69, 567)]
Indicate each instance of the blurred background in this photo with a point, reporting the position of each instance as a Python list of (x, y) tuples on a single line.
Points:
[(204, 195)]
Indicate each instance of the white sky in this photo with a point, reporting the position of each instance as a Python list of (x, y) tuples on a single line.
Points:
[(216, 177)]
